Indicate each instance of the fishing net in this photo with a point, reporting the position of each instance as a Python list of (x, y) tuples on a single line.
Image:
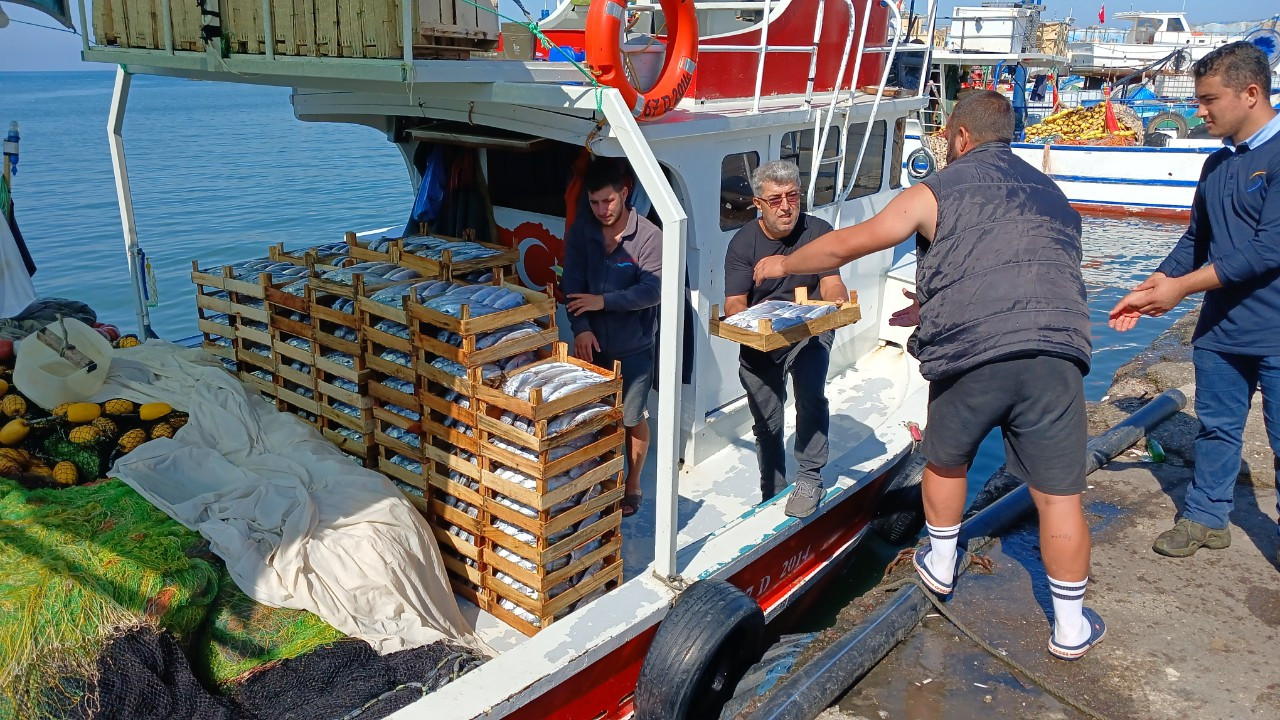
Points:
[(81, 566), (241, 635), (76, 566)]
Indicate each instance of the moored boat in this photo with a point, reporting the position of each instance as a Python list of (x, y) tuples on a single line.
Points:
[(801, 80)]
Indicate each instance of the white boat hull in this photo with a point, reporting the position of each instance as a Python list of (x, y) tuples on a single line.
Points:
[(1148, 181)]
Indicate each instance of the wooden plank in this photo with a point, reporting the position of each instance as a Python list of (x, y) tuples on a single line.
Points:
[(142, 22), (242, 25), (350, 28), (185, 18), (326, 29), (104, 31)]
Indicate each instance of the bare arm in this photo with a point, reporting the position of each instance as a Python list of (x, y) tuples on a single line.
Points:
[(734, 304), (914, 210), (832, 289)]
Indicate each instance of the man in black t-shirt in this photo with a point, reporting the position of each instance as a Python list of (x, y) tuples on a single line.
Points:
[(782, 229)]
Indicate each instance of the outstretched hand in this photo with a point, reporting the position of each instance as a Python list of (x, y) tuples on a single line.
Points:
[(908, 316), (1127, 312)]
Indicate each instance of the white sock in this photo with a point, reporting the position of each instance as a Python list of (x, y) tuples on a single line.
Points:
[(1069, 626), (942, 551)]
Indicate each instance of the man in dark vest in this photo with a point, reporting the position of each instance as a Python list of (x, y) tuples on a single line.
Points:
[(1003, 338)]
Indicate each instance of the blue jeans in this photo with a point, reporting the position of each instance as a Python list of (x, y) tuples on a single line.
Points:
[(1225, 384)]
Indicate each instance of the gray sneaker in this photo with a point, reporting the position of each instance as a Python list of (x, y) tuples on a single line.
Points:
[(1186, 536), (804, 499)]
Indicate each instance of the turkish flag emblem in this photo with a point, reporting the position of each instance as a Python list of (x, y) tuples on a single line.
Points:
[(1102, 13)]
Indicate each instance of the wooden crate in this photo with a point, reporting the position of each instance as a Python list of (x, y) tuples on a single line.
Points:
[(264, 385), (546, 609), (502, 261), (361, 447), (311, 258), (427, 321), (437, 409), (297, 399), (463, 557), (540, 438), (765, 339), (322, 28), (389, 429), (535, 409), (255, 356)]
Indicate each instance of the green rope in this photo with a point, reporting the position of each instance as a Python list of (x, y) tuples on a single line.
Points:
[(532, 26)]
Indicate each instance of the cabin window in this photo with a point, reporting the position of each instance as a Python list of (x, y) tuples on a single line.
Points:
[(797, 146), (895, 160), (736, 208), (871, 171), (1175, 25)]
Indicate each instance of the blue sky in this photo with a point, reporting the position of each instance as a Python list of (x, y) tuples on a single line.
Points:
[(23, 47)]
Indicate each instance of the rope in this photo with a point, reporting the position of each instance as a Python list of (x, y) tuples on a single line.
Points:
[(985, 563), (532, 26), (1038, 679), (45, 27)]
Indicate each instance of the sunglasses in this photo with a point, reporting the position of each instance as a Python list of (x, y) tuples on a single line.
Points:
[(775, 201)]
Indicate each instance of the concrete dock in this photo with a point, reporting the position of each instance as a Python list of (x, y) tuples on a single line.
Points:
[(1187, 638)]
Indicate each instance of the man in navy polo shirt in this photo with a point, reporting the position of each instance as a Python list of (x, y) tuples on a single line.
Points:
[(1231, 252)]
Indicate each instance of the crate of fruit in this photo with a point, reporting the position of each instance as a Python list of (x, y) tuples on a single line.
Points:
[(776, 324)]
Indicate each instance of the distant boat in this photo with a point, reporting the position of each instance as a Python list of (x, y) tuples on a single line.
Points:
[(1153, 36)]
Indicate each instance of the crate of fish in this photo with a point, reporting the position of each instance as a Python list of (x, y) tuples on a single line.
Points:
[(297, 399), (398, 429), (254, 355), (450, 258), (262, 381), (319, 258), (358, 445), (457, 516), (599, 418), (449, 418), (552, 386), (342, 392), (775, 324), (539, 577), (507, 339)]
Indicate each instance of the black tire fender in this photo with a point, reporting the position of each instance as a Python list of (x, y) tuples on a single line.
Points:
[(703, 647), (900, 512), (1180, 125)]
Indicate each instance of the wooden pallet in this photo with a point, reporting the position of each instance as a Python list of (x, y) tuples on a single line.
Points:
[(765, 339)]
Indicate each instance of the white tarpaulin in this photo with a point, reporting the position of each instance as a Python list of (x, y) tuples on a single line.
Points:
[(16, 288), (297, 522)]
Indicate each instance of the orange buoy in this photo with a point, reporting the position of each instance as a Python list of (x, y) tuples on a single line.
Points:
[(605, 21)]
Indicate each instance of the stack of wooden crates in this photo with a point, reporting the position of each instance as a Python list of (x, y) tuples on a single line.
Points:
[(415, 393), (318, 28)]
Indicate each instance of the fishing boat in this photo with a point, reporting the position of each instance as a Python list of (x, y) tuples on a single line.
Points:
[(1151, 36), (711, 91), (1155, 177)]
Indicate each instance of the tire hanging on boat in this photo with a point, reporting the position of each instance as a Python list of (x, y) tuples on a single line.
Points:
[(605, 23), (1180, 124), (703, 647)]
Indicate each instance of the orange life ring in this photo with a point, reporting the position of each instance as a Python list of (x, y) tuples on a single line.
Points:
[(605, 21)]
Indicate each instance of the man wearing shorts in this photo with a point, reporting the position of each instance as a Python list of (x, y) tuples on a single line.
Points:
[(613, 282), (1003, 338)]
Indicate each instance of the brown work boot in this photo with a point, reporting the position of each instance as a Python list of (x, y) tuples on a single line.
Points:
[(1186, 537)]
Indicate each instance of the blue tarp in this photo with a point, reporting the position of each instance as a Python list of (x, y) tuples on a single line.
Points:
[(426, 206), (59, 10)]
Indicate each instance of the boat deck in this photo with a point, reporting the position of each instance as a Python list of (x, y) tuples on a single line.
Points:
[(715, 493)]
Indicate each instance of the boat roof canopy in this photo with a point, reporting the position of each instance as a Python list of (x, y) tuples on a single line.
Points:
[(59, 10)]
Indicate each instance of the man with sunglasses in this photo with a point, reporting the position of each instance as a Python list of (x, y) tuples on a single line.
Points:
[(782, 229)]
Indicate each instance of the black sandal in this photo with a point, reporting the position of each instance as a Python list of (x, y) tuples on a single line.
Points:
[(631, 504)]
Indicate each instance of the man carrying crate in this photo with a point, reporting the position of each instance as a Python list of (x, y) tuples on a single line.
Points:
[(1003, 338), (613, 282), (781, 230)]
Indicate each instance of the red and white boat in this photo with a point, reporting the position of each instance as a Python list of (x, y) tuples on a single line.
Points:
[(793, 79)]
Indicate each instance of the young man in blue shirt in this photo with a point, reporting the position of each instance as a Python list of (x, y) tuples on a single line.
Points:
[(1231, 252)]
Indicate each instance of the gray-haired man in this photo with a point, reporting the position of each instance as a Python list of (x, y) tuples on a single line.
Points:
[(782, 229)]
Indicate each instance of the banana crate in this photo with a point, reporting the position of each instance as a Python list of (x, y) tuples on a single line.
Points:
[(765, 338)]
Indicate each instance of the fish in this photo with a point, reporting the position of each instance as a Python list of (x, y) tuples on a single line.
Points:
[(403, 412), (392, 294), (392, 327), (574, 418)]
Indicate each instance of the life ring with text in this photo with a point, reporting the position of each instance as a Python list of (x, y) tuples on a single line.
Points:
[(605, 22)]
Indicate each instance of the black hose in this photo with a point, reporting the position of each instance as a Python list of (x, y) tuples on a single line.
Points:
[(817, 684)]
